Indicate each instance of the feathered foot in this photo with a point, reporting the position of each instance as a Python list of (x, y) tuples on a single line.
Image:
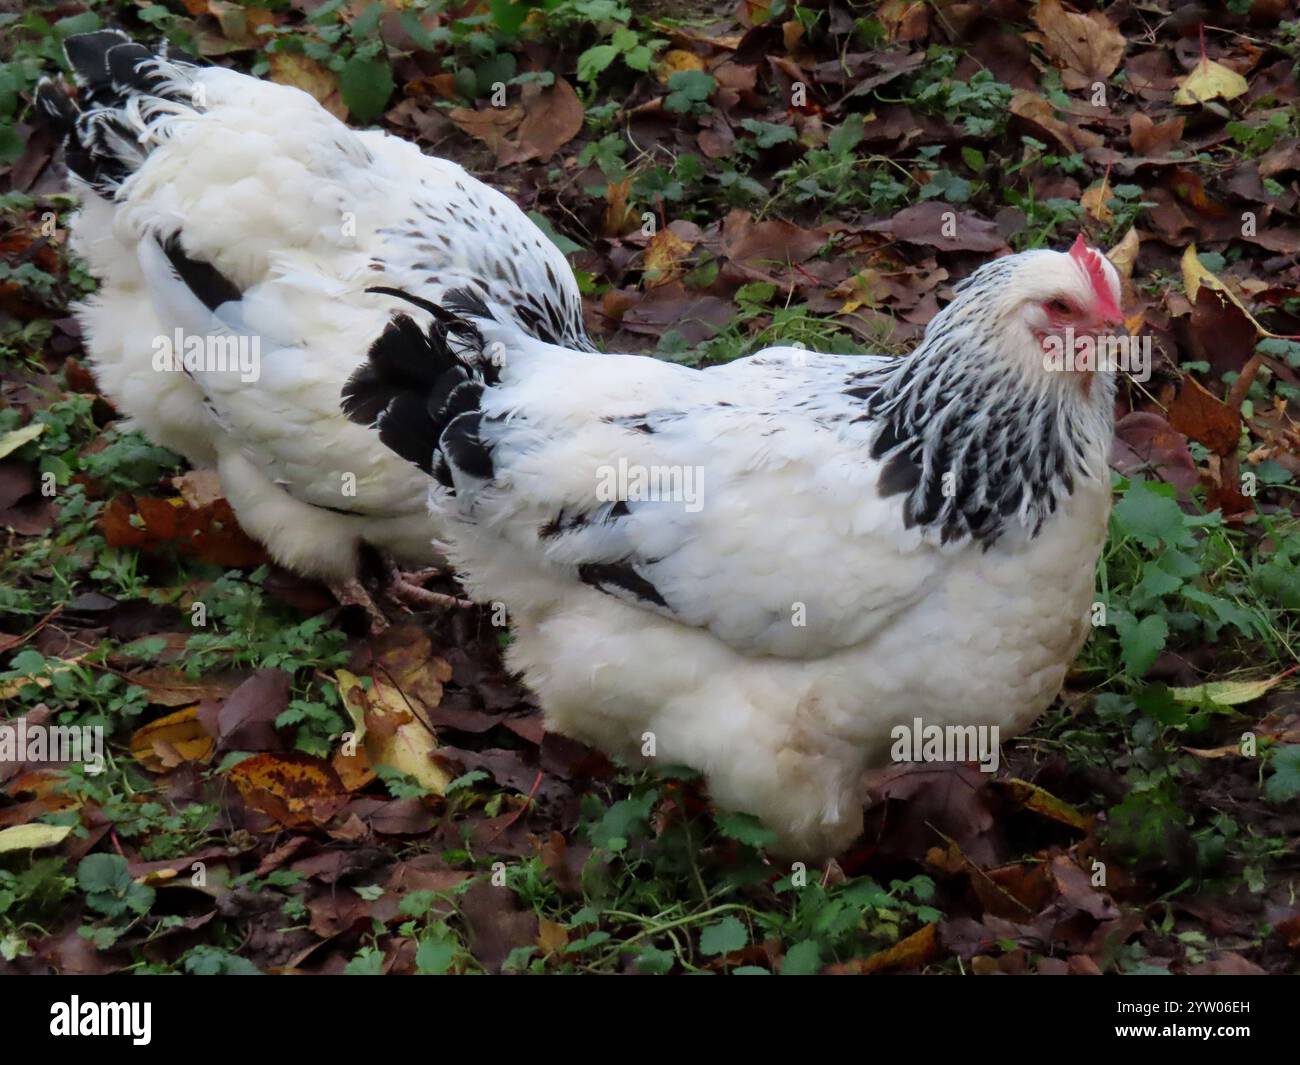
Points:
[(404, 588)]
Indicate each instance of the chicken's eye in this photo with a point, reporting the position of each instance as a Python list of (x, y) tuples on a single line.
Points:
[(1060, 308)]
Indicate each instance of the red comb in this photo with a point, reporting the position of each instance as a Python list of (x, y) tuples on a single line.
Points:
[(1090, 260)]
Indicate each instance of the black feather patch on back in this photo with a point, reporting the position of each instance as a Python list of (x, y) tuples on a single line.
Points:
[(125, 70), (56, 109), (203, 279), (463, 448)]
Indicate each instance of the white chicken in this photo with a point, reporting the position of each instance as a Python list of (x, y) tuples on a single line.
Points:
[(850, 543), (241, 213)]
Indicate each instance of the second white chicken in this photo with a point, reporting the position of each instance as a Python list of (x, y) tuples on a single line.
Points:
[(240, 217)]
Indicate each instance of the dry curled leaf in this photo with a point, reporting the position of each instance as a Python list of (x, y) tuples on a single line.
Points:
[(1153, 139), (167, 742), (552, 117), (663, 257), (1088, 48)]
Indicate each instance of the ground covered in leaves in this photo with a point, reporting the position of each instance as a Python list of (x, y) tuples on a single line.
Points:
[(722, 176)]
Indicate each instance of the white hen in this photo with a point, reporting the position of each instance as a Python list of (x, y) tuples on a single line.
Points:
[(227, 207), (856, 541)]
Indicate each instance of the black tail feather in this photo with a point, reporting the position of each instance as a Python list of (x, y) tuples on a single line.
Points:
[(109, 69), (417, 387), (127, 73), (88, 55), (56, 107)]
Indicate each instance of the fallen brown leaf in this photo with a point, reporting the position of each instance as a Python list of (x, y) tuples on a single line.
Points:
[(1088, 48), (1205, 418), (552, 118), (302, 72), (914, 952)]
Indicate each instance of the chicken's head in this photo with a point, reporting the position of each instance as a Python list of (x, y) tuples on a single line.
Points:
[(1078, 290), (1041, 311), (1057, 307)]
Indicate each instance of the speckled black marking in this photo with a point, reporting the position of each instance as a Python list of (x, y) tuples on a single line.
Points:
[(565, 522), (1011, 452)]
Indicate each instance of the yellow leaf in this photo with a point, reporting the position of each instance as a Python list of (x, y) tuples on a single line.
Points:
[(158, 877), (551, 936), (675, 60), (171, 740), (1094, 202), (1210, 81), (408, 749), (866, 288), (915, 951), (1227, 692), (1195, 275), (29, 837), (1034, 798), (1124, 254), (393, 733), (662, 256), (1231, 750), (355, 704), (296, 790), (12, 441)]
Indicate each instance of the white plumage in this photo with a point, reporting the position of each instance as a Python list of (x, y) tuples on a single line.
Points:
[(219, 204), (829, 582)]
